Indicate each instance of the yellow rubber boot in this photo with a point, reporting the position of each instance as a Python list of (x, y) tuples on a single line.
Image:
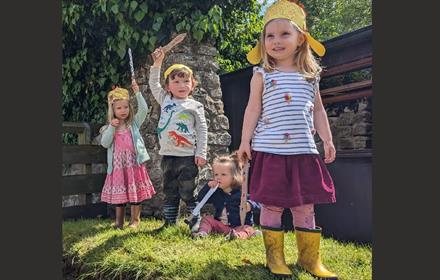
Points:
[(135, 216), (274, 244), (308, 242)]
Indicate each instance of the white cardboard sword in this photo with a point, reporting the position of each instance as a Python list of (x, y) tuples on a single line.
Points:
[(199, 206), (131, 63)]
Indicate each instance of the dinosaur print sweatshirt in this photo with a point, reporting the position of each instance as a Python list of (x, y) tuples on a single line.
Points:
[(182, 128)]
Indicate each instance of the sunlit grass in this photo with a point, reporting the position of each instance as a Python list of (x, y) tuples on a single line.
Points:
[(101, 252)]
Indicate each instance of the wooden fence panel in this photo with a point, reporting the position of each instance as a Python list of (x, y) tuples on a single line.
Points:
[(79, 184), (86, 154), (86, 184)]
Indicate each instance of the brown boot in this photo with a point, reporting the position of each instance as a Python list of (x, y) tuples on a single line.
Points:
[(308, 241), (274, 244), (135, 216), (120, 217)]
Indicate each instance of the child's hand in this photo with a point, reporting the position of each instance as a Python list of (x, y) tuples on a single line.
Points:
[(329, 152), (158, 56), (248, 207), (134, 86), (115, 122), (244, 151), (200, 161), (212, 183)]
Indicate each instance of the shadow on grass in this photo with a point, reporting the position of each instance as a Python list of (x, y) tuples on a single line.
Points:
[(218, 270), (90, 261)]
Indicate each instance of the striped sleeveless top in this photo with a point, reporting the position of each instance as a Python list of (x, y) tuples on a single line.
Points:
[(285, 126)]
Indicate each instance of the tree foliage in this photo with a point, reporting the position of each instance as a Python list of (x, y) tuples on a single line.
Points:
[(330, 18), (97, 34)]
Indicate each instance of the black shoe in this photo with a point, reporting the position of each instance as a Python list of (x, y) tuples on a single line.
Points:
[(164, 226)]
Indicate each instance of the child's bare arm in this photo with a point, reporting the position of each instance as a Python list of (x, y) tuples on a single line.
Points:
[(251, 205), (251, 115), (322, 126)]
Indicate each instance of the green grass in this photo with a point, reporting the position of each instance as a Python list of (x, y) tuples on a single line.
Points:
[(97, 251)]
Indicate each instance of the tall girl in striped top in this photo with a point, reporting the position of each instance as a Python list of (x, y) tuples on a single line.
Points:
[(283, 113)]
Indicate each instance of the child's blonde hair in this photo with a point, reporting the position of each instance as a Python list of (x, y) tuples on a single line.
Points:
[(304, 58), (236, 167), (115, 95)]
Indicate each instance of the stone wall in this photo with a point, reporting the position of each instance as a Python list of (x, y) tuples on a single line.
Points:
[(351, 124), (201, 59)]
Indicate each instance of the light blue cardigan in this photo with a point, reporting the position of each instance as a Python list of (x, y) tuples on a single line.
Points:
[(109, 132)]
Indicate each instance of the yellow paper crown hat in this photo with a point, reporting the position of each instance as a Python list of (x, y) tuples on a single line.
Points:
[(293, 12), (117, 94), (174, 67)]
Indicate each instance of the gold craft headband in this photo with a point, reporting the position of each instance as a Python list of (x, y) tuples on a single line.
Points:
[(174, 67), (118, 94)]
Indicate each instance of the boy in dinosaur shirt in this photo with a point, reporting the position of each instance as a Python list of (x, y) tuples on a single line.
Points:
[(182, 133)]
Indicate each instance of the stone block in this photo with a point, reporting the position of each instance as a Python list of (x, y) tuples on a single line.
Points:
[(220, 122), (363, 116), (345, 143), (361, 142), (346, 118), (343, 131), (222, 139), (362, 129)]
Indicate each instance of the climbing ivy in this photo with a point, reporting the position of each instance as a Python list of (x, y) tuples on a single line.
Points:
[(97, 34)]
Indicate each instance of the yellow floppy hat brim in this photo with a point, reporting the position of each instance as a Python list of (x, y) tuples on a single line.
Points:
[(254, 55), (316, 46)]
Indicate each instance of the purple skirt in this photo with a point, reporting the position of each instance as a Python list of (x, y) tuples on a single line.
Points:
[(289, 181)]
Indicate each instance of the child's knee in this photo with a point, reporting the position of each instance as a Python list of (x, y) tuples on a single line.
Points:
[(186, 190), (187, 194), (269, 208), (270, 216), (305, 210), (171, 190), (188, 173)]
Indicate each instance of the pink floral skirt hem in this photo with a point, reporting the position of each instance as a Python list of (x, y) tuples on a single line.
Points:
[(127, 185)]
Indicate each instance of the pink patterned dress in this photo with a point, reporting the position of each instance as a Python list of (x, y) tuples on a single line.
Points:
[(129, 181)]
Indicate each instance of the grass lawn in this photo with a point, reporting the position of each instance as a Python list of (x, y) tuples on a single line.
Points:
[(94, 250)]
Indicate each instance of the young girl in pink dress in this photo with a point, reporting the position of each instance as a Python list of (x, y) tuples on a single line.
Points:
[(127, 178)]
